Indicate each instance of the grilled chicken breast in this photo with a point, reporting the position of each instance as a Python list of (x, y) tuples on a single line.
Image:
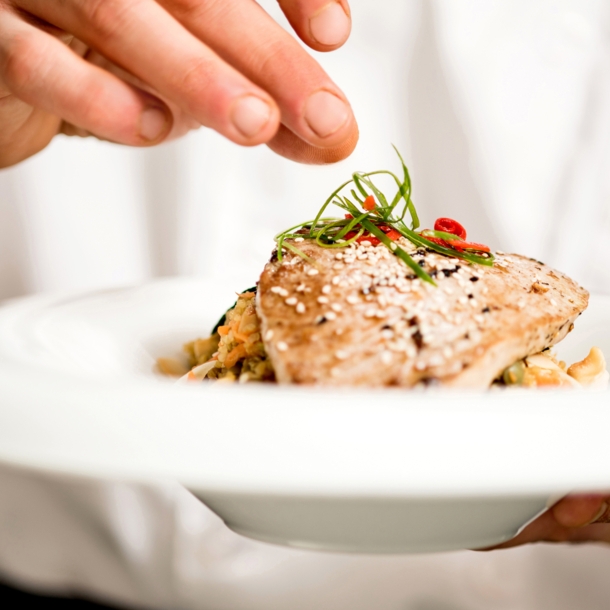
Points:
[(360, 317)]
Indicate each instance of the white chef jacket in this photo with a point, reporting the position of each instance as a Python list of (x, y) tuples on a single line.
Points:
[(502, 111)]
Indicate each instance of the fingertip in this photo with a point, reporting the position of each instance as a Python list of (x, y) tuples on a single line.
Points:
[(288, 145), (155, 124), (329, 27), (579, 510), (254, 120)]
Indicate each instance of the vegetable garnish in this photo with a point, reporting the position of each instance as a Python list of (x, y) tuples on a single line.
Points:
[(370, 216)]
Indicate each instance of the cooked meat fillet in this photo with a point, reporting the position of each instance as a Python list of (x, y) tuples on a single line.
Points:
[(360, 317)]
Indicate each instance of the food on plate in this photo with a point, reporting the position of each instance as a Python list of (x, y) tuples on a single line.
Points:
[(370, 299)]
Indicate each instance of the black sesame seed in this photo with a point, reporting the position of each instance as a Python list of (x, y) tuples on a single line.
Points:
[(418, 339), (474, 279), (485, 310)]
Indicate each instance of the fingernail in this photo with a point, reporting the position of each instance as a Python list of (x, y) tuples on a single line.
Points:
[(600, 513), (330, 26), (250, 114), (153, 123), (325, 113)]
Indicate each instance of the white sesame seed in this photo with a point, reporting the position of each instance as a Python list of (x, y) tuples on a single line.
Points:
[(313, 272), (448, 290), (553, 302), (386, 357), (298, 239), (369, 313), (339, 255), (380, 314), (341, 354), (300, 308), (352, 299), (335, 280), (365, 242), (295, 260), (269, 335), (420, 366), (386, 333), (275, 289), (330, 315), (336, 307), (301, 288), (463, 300), (447, 352), (338, 266), (322, 300), (393, 247), (282, 346), (326, 289), (291, 301)]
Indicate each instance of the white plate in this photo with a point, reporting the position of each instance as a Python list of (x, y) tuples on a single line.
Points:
[(367, 471)]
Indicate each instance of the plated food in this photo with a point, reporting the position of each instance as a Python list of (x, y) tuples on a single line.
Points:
[(370, 299)]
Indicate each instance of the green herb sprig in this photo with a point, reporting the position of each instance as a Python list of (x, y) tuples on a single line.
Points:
[(331, 232)]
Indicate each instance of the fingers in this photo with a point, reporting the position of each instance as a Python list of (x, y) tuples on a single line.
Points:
[(141, 37), (580, 510), (43, 72), (312, 107), (322, 24), (288, 145)]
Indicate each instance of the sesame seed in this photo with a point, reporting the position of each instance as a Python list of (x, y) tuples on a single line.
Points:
[(336, 307), (386, 333), (553, 302), (339, 255), (322, 300), (313, 272), (393, 247), (300, 308), (341, 354), (331, 315), (386, 357), (352, 299), (335, 280), (269, 335), (291, 301), (298, 239), (301, 288), (420, 366), (447, 352), (326, 289), (463, 300), (369, 313), (282, 346)]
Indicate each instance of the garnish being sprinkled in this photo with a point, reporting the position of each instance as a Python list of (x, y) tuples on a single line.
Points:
[(370, 216)]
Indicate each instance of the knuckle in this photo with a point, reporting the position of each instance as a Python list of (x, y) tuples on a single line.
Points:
[(196, 76), (21, 61), (106, 17)]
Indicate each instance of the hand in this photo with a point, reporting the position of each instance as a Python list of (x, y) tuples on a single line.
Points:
[(575, 518), (139, 72)]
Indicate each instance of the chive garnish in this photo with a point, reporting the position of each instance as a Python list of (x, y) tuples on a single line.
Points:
[(376, 222)]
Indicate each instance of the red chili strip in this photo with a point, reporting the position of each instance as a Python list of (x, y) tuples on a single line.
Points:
[(369, 203), (448, 225)]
